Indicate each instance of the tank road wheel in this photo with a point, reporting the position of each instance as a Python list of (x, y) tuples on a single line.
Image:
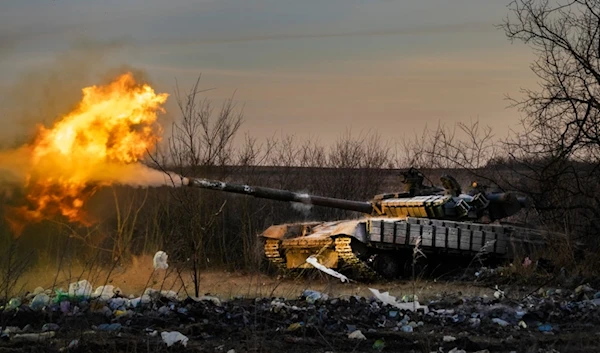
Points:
[(388, 266), (350, 262), (273, 255)]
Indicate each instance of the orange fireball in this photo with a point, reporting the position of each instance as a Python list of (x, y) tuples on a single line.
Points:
[(112, 127)]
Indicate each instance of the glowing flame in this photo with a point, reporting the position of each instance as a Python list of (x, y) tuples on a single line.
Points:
[(99, 143)]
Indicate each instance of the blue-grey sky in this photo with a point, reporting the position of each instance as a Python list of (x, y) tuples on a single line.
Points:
[(311, 68)]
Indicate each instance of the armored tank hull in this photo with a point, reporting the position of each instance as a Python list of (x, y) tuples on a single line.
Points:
[(376, 248), (397, 228)]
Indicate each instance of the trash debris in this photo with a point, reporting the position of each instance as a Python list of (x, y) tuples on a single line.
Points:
[(584, 288), (407, 328), (33, 337), (40, 301), (295, 326), (498, 294), (160, 260), (409, 298), (448, 317), (391, 300), (13, 303), (209, 298), (313, 261), (104, 292), (81, 289), (172, 337), (500, 322), (312, 296), (379, 344), (357, 335)]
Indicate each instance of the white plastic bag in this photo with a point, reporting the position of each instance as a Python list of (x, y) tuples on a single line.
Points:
[(313, 261), (104, 292), (82, 288), (173, 337), (160, 260), (391, 300)]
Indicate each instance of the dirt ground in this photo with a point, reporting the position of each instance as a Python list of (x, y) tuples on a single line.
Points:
[(260, 313)]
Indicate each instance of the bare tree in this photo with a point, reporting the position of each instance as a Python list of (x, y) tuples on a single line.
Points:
[(201, 140), (563, 117), (557, 154)]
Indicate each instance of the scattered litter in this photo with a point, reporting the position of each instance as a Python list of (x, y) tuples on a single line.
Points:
[(13, 304), (312, 295), (313, 261), (379, 344), (500, 322), (173, 337), (357, 335), (40, 301), (209, 298), (160, 260), (498, 294), (104, 292), (407, 328), (542, 311), (409, 298), (584, 288), (391, 300), (65, 307), (295, 326), (81, 289), (33, 337)]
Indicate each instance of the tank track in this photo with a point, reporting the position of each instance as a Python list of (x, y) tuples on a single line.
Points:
[(345, 253), (273, 255), (343, 249)]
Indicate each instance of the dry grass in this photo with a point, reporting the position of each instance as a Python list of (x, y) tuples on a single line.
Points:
[(134, 278)]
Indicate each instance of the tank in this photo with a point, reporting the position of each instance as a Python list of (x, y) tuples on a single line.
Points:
[(433, 222)]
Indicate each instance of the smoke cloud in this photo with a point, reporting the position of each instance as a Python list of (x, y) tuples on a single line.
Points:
[(51, 95), (303, 208), (41, 95)]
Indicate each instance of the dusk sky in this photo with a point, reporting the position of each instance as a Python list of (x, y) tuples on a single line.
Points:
[(311, 68)]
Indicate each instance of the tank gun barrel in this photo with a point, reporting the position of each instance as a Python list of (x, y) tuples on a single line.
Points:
[(281, 195)]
